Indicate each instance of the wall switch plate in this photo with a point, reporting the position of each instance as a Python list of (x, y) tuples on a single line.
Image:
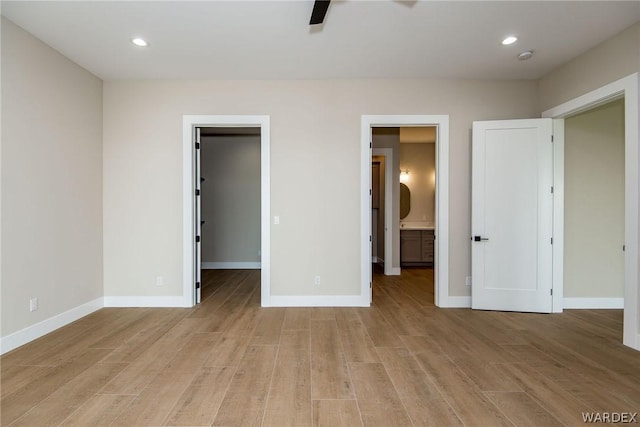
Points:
[(276, 220), (33, 304), (159, 281), (317, 281), (468, 281)]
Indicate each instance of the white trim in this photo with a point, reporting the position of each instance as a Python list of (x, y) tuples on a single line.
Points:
[(387, 153), (558, 217), (458, 302), (441, 290), (320, 301), (230, 265), (593, 303), (141, 301), (394, 271), (188, 123), (626, 87), (30, 333)]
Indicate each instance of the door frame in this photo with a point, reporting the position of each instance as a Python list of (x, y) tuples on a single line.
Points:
[(441, 264), (626, 88), (389, 194), (189, 123)]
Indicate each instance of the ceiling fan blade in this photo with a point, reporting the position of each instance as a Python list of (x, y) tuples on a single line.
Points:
[(319, 11)]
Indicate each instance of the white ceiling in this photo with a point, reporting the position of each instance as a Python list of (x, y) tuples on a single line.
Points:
[(359, 39)]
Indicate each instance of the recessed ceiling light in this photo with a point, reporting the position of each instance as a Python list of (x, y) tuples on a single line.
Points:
[(525, 55), (509, 40), (139, 42)]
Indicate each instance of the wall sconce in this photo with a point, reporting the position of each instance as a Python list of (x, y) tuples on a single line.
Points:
[(404, 175)]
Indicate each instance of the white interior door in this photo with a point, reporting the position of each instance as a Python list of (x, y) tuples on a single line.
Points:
[(512, 215), (198, 220)]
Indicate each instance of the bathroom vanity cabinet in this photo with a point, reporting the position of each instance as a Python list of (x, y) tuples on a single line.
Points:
[(416, 247)]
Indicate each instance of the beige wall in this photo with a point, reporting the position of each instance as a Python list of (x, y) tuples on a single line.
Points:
[(315, 173), (594, 203), (51, 181), (420, 161), (231, 198), (613, 59)]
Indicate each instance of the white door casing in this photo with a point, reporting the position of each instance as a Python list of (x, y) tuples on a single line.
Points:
[(441, 122), (627, 88), (189, 123), (512, 215)]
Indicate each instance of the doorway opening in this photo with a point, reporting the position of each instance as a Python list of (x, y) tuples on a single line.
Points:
[(627, 89), (594, 208), (381, 133), (414, 200), (227, 202)]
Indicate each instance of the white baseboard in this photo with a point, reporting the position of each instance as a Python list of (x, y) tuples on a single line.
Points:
[(319, 301), (231, 265), (153, 301), (46, 326), (458, 302), (395, 271), (593, 303)]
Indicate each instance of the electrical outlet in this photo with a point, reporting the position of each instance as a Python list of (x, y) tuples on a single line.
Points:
[(33, 304), (468, 281), (317, 281), (159, 281), (276, 220)]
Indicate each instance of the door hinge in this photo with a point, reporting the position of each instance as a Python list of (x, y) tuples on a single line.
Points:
[(552, 189), (370, 144), (197, 145), (197, 285), (551, 292), (197, 192), (370, 192), (370, 285), (552, 240), (551, 138), (370, 237), (197, 239), (623, 248)]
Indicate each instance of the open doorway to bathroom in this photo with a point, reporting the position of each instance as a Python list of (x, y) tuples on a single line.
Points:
[(403, 209)]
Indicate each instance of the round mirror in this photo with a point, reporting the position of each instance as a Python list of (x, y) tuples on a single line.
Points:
[(405, 201)]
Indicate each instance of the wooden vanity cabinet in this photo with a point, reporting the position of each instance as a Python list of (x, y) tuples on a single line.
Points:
[(416, 247)]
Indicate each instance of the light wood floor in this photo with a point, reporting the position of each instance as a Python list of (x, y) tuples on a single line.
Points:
[(402, 362)]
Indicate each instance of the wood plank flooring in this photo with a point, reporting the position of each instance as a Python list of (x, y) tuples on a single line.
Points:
[(402, 362)]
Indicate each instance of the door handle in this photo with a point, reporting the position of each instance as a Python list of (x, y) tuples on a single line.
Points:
[(480, 239)]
